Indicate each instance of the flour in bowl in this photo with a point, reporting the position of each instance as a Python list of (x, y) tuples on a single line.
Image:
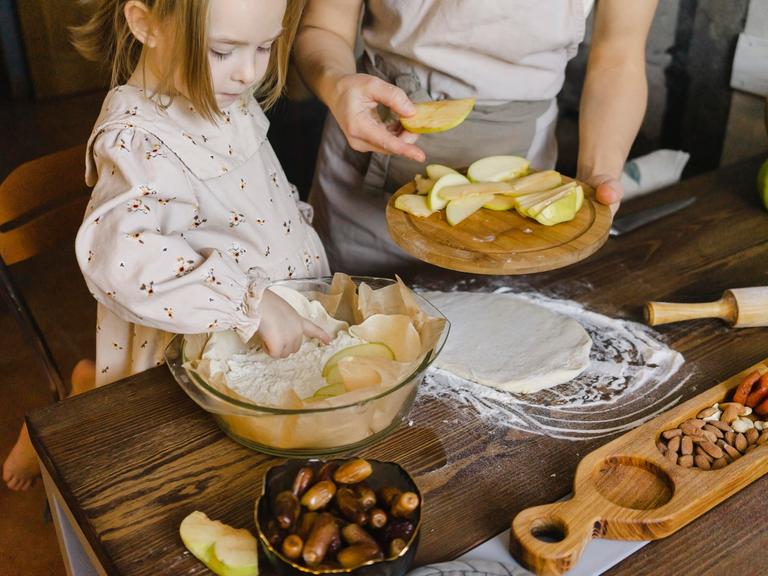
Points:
[(264, 380)]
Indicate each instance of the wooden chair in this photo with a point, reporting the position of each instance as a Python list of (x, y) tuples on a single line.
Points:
[(42, 203)]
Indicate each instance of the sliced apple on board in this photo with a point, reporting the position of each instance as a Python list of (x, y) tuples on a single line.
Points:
[(434, 200), (224, 550), (423, 185), (497, 168), (437, 171), (458, 210), (500, 203), (537, 182), (524, 204), (561, 210), (437, 116), (415, 204)]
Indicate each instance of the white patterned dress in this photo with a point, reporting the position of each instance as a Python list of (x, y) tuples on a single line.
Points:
[(188, 222)]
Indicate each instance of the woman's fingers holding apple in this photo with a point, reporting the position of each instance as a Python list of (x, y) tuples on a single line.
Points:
[(355, 109)]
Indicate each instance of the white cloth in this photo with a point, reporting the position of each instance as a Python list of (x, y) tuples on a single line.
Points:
[(653, 171), (188, 222)]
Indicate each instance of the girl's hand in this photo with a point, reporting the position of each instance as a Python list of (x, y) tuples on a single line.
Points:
[(282, 329), (354, 106)]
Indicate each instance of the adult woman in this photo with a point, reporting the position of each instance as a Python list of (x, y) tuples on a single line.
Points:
[(509, 54)]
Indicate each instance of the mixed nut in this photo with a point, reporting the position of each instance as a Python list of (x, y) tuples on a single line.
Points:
[(723, 432), (332, 519)]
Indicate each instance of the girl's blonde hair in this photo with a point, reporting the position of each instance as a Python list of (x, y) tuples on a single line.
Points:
[(106, 38)]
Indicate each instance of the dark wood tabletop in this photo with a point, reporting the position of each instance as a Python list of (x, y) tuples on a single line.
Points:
[(133, 458)]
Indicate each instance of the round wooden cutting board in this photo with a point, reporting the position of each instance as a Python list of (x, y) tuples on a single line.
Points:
[(500, 243)]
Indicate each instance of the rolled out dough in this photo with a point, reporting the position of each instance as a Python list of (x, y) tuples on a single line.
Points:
[(509, 343)]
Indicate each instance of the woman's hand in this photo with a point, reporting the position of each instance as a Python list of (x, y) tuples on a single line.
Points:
[(608, 190), (354, 105), (282, 329)]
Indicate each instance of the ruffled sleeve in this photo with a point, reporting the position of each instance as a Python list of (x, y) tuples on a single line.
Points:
[(133, 253)]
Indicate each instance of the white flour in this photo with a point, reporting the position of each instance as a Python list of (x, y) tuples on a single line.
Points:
[(627, 382), (265, 380)]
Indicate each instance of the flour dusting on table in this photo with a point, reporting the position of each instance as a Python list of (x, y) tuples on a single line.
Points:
[(627, 382)]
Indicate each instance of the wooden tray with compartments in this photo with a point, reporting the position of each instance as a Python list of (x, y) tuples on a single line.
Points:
[(628, 490)]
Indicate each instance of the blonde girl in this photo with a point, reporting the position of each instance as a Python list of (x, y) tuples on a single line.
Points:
[(191, 215)]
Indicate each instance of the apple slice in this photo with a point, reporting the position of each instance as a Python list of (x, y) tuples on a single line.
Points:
[(500, 203), (497, 168), (437, 171), (415, 204), (523, 204), (562, 210), (562, 192), (224, 550), (536, 182), (438, 116), (375, 349), (423, 185), (435, 201), (336, 387), (459, 191), (458, 210)]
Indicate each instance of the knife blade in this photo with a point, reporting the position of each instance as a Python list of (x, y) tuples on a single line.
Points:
[(624, 224)]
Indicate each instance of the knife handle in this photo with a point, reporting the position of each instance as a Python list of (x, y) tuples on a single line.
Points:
[(665, 312)]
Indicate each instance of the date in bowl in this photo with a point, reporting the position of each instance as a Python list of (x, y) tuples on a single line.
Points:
[(353, 516)]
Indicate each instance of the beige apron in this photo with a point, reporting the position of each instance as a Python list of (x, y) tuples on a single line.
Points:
[(351, 189)]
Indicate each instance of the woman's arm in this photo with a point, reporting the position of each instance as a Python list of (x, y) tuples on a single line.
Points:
[(324, 54), (615, 92)]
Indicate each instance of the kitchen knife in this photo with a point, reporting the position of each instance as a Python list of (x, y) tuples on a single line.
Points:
[(624, 224)]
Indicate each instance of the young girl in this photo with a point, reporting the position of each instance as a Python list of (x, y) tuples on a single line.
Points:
[(191, 215)]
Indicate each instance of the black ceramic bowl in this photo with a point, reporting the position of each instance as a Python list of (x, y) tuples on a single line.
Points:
[(280, 478)]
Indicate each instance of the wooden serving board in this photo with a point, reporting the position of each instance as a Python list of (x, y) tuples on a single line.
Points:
[(627, 490), (500, 243)]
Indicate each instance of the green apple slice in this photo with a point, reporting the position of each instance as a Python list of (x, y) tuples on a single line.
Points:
[(224, 550), (500, 203), (437, 171), (536, 182), (561, 210), (566, 192), (438, 116), (413, 204), (434, 200), (459, 210), (375, 349), (335, 388), (524, 204), (423, 185), (497, 168)]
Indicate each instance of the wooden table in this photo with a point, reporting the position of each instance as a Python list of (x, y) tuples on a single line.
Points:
[(130, 460)]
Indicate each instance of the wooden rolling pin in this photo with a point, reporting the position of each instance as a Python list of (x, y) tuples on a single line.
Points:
[(740, 307)]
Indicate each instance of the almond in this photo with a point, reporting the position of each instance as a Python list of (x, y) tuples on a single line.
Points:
[(685, 461), (713, 450), (702, 462)]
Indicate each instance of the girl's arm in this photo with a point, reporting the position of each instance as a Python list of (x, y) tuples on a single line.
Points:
[(137, 262), (615, 93), (324, 54)]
